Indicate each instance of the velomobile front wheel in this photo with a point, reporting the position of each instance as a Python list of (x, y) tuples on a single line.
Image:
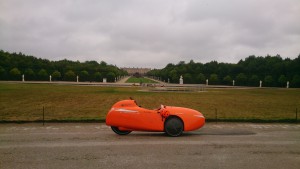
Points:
[(120, 132), (173, 127)]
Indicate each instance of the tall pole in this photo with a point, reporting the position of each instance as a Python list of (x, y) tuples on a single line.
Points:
[(43, 115), (216, 113), (296, 115)]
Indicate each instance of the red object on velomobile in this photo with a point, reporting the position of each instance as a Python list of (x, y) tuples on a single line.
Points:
[(126, 116)]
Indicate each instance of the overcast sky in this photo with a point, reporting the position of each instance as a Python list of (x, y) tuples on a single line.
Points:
[(150, 33)]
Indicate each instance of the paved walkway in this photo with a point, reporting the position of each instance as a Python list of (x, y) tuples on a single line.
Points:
[(123, 80), (95, 145)]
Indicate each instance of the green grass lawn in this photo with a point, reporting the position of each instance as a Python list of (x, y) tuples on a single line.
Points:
[(139, 80), (24, 102)]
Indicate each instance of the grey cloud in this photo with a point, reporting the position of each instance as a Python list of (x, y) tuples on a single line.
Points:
[(150, 33)]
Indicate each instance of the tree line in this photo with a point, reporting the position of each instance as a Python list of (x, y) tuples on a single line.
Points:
[(273, 71), (14, 65)]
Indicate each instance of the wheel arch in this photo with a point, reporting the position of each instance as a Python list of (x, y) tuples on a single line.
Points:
[(174, 116)]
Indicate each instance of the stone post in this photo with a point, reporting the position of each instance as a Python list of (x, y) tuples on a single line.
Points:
[(233, 83), (50, 78), (104, 80), (23, 78), (287, 84), (181, 80), (260, 83), (206, 82), (77, 78)]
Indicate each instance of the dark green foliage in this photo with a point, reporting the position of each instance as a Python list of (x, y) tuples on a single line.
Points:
[(56, 75), (282, 81), (110, 77), (29, 74), (213, 79), (13, 66), (97, 77), (271, 70), (2, 73), (84, 76), (268, 81), (70, 76), (15, 74), (254, 80), (200, 78), (43, 74), (188, 78), (241, 79), (227, 80), (296, 81)]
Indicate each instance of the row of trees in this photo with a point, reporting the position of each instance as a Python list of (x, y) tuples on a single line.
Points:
[(13, 66), (273, 71)]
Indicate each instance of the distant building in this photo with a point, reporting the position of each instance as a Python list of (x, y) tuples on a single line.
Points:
[(133, 71)]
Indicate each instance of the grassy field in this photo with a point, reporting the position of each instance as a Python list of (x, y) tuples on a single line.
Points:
[(139, 80), (24, 102)]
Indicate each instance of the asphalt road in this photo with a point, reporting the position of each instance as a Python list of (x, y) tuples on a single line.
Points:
[(216, 145)]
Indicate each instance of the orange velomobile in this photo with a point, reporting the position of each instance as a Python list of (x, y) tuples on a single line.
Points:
[(126, 116)]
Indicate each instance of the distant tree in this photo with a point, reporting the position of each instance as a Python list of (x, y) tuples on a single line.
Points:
[(187, 78), (211, 67), (43, 75), (282, 80), (241, 79), (97, 77), (174, 77), (227, 80), (25, 63), (2, 73), (84, 75), (213, 79), (29, 74), (181, 63), (56, 75), (296, 81), (254, 80), (70, 76), (200, 78), (181, 70), (15, 74), (102, 63), (111, 77), (268, 81), (255, 68)]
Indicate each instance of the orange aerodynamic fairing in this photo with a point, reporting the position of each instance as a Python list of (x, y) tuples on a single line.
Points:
[(126, 116)]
